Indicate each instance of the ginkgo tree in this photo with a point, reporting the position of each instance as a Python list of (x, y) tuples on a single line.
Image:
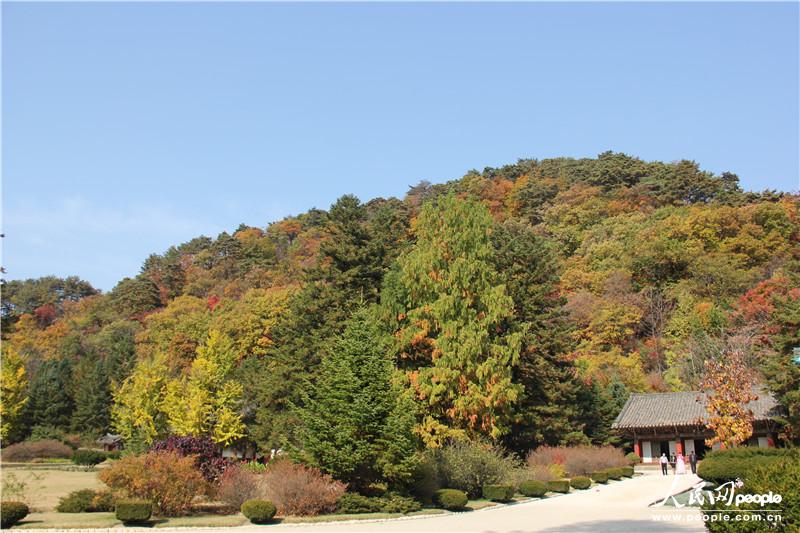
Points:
[(206, 401), (13, 395)]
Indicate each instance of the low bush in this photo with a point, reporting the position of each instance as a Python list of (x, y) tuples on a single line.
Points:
[(451, 499), (301, 490), (781, 476), (259, 511), (22, 452), (207, 455), (352, 503), (627, 471), (239, 484), (720, 466), (133, 511), (468, 466), (558, 485), (614, 473), (633, 459), (580, 482), (396, 503), (599, 477), (166, 479), (11, 513), (578, 460), (86, 501), (533, 488), (498, 493), (85, 457)]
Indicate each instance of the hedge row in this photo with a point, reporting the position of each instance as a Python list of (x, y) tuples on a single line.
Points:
[(721, 466)]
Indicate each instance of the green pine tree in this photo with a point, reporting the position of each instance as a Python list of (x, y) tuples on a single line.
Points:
[(546, 408), (345, 417), (50, 404), (92, 398)]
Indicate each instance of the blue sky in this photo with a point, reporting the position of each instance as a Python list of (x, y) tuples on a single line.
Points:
[(131, 127)]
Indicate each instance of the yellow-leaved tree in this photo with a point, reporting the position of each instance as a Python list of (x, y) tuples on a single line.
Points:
[(14, 387), (206, 401), (136, 414)]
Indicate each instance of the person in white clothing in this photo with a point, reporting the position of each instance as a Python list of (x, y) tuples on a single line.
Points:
[(680, 465), (664, 462)]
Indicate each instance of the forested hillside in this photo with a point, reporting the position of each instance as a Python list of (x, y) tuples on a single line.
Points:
[(519, 304)]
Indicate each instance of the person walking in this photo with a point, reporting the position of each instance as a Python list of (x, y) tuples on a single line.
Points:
[(672, 461), (693, 462), (664, 462), (680, 464)]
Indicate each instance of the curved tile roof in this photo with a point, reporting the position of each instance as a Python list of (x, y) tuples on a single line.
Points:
[(664, 409)]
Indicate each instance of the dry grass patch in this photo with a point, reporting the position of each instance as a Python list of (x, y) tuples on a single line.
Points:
[(42, 488)]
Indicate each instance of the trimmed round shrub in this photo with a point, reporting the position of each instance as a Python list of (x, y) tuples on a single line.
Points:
[(452, 499), (627, 471), (614, 473), (353, 503), (11, 513), (85, 457), (580, 482), (133, 511), (599, 477), (498, 493), (259, 511), (533, 488), (633, 458), (558, 485)]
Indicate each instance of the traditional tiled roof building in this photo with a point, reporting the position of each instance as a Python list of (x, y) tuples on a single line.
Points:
[(674, 422)]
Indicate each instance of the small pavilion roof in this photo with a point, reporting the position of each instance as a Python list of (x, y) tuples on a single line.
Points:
[(109, 438)]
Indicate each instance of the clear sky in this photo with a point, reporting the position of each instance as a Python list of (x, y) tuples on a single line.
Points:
[(131, 127)]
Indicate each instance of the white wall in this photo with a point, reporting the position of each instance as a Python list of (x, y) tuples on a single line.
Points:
[(647, 454), (673, 447), (763, 442)]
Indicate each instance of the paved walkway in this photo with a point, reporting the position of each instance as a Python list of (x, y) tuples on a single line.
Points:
[(616, 507)]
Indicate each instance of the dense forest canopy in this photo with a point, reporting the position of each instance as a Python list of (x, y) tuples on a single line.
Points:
[(519, 304)]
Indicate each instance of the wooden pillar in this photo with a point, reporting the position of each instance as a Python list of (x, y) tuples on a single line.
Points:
[(770, 442), (637, 447), (679, 446)]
